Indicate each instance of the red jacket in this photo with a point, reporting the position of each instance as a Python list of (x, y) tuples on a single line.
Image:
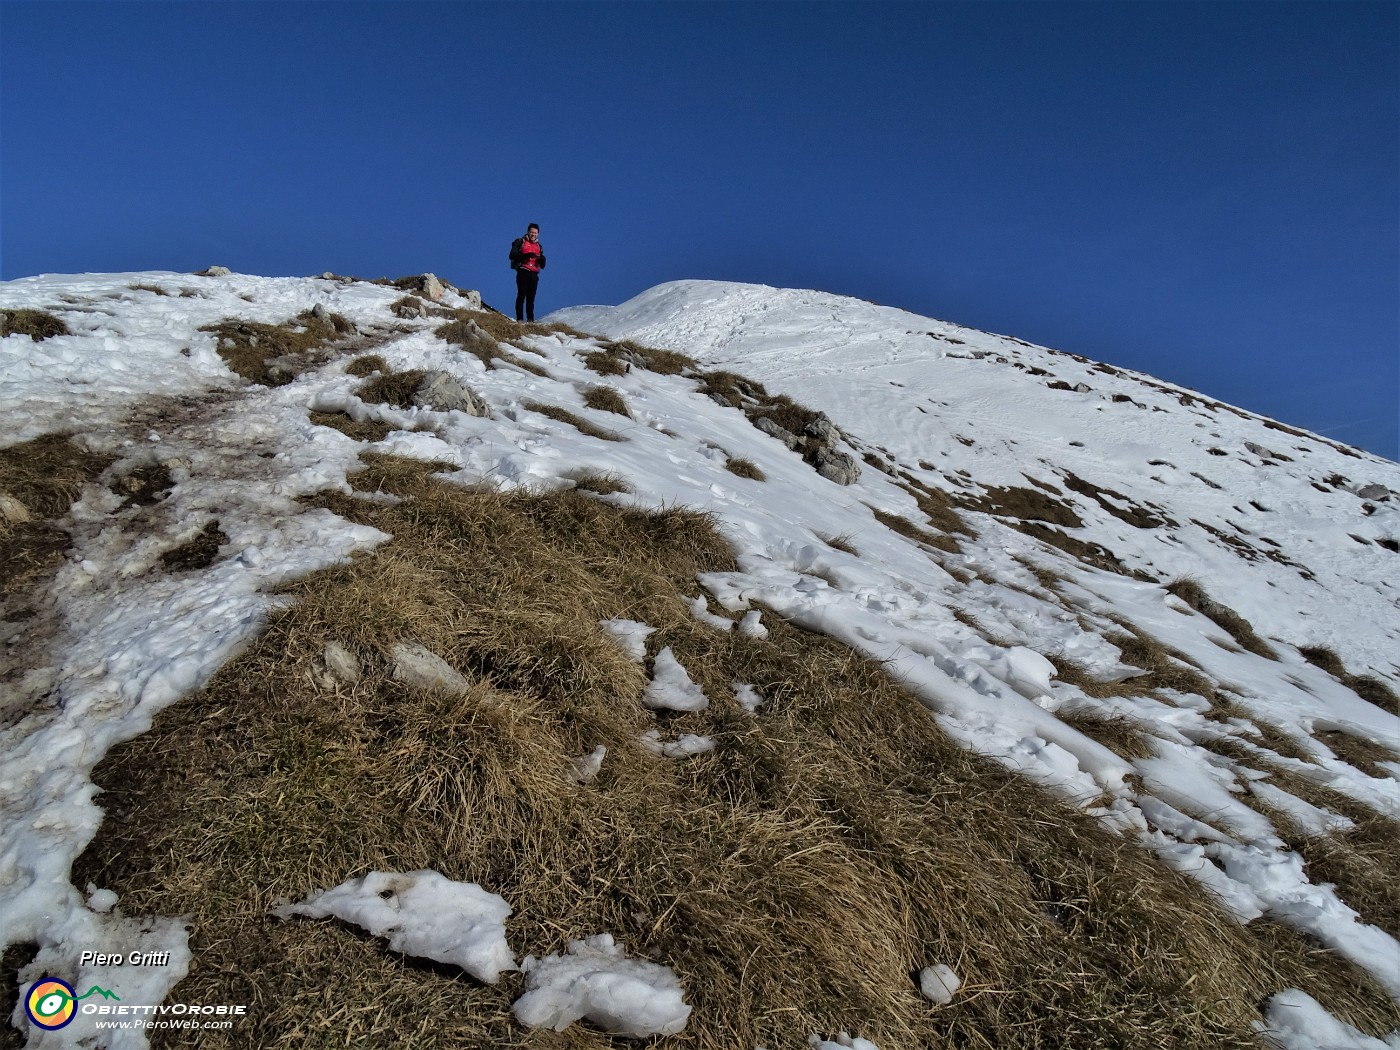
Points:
[(527, 255)]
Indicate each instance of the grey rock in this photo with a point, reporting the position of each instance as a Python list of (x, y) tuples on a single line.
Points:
[(215, 271), (319, 311), (1082, 388), (1376, 492), (424, 671), (1260, 450), (823, 430), (472, 299), (772, 429), (12, 510), (443, 392), (840, 467), (410, 307)]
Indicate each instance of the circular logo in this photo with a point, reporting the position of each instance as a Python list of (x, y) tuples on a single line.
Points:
[(50, 1003)]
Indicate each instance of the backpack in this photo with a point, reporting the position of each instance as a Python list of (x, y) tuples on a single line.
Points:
[(515, 252)]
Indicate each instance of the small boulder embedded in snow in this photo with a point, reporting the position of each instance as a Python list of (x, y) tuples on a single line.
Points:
[(1260, 450), (425, 671), (422, 913), (214, 271), (671, 687), (822, 429), (1375, 492), (410, 308), (772, 429), (596, 982), (424, 284), (443, 392), (939, 984), (840, 467), (1082, 388)]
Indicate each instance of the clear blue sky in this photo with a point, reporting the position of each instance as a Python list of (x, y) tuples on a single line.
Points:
[(1208, 192)]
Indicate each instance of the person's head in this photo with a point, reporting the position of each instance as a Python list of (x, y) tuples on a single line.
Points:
[(533, 231)]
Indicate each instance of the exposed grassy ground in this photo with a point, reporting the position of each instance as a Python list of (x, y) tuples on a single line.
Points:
[(794, 877), (275, 354), (43, 477), (37, 324)]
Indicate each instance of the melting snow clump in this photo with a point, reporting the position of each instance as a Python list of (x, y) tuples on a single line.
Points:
[(596, 982), (630, 635), (843, 1041), (671, 687), (423, 914), (939, 984), (1296, 1021)]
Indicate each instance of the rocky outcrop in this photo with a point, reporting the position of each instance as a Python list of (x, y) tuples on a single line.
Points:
[(443, 392)]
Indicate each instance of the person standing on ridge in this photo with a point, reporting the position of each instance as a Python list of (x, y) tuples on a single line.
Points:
[(527, 260)]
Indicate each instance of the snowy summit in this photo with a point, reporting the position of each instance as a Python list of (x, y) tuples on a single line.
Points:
[(874, 680)]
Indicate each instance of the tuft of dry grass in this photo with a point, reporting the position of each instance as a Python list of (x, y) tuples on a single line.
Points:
[(37, 324), (197, 553), (563, 415), (1166, 667), (1362, 863), (367, 364), (794, 877), (939, 507), (662, 362), (605, 363), (1120, 734), (606, 399), (604, 483), (745, 468), (275, 354), (1027, 504), (506, 330), (1229, 621), (1367, 687), (1091, 554), (369, 430), (844, 542), (483, 333), (392, 388), (43, 476), (942, 541), (1358, 751)]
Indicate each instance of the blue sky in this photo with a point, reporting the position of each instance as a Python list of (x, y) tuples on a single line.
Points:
[(1207, 192)]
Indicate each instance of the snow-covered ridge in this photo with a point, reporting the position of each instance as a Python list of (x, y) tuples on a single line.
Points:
[(1248, 499), (1274, 523)]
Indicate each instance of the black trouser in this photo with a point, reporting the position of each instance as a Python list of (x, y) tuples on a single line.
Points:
[(526, 281)]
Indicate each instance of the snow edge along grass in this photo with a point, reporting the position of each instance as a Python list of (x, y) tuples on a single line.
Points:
[(794, 878)]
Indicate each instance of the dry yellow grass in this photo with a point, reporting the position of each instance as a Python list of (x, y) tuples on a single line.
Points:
[(44, 475), (794, 877), (37, 324), (275, 354), (563, 415)]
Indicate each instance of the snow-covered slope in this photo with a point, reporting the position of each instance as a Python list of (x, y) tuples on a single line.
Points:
[(1089, 491), (1268, 514)]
